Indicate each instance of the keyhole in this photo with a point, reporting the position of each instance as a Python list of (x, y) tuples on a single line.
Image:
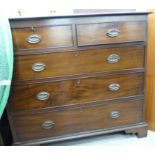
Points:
[(76, 54), (78, 82)]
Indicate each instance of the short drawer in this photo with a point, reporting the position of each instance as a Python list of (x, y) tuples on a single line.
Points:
[(75, 91), (107, 33), (56, 124), (42, 37), (76, 63)]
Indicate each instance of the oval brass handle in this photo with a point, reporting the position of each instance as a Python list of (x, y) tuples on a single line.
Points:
[(48, 124), (115, 114), (38, 67), (114, 87), (33, 39), (43, 96), (113, 58), (113, 32)]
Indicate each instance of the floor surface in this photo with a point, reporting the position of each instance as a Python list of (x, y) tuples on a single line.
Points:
[(114, 139)]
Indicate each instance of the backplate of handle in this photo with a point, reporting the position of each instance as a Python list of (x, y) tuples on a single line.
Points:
[(38, 67), (114, 87), (34, 38), (42, 96), (113, 58), (48, 124), (115, 114), (113, 32)]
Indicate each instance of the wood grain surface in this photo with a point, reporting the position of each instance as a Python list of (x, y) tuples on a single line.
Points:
[(92, 34), (78, 62), (52, 36), (76, 76), (29, 127), (77, 91)]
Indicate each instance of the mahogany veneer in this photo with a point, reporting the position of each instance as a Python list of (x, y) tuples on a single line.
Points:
[(77, 76)]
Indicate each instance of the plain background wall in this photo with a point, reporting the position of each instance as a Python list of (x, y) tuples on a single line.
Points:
[(36, 7)]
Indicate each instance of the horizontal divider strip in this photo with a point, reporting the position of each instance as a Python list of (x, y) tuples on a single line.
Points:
[(79, 106), (79, 76), (80, 48)]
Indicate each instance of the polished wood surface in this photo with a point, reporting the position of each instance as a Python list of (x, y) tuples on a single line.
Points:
[(150, 91), (51, 36), (92, 34), (74, 79), (29, 127), (78, 62), (77, 91)]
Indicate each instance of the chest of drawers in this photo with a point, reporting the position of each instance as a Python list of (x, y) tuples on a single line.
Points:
[(78, 76)]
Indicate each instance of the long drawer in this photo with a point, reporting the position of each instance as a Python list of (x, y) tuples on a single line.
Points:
[(76, 63), (42, 37), (103, 115), (75, 91), (113, 32)]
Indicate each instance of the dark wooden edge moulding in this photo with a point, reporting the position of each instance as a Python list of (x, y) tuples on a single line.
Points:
[(79, 76), (77, 106)]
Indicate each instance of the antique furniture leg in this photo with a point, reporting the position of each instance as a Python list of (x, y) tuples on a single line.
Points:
[(140, 132)]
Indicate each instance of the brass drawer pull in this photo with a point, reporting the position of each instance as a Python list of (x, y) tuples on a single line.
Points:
[(113, 32), (33, 39), (42, 96), (114, 87), (115, 114), (48, 124), (38, 67), (113, 58)]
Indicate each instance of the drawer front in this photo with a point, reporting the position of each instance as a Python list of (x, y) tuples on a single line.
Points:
[(76, 91), (42, 37), (76, 63), (67, 122), (114, 32)]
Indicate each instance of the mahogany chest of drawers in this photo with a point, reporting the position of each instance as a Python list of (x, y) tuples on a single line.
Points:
[(77, 76)]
